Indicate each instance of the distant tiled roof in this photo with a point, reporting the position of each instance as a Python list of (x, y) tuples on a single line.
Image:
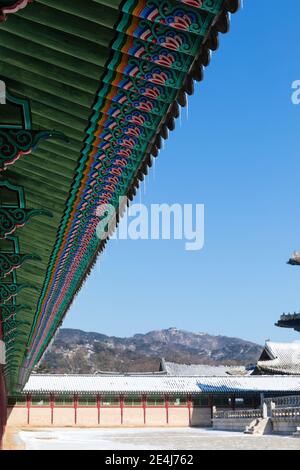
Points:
[(160, 384), (128, 374), (262, 384), (172, 368), (289, 321), (284, 358)]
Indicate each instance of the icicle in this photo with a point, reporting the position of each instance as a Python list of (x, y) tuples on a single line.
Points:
[(154, 166), (98, 266), (115, 234), (140, 190), (187, 107), (180, 116)]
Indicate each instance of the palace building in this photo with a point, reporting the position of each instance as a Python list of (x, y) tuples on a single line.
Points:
[(290, 320), (279, 359), (199, 370), (88, 92), (139, 400)]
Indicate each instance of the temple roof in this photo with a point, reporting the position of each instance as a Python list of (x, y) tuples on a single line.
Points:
[(280, 358), (173, 368), (294, 259), (101, 82), (289, 320), (147, 384)]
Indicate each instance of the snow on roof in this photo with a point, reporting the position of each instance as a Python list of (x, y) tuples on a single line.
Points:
[(172, 368), (161, 384), (284, 358)]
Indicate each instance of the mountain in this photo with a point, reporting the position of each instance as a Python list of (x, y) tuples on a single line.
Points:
[(79, 352)]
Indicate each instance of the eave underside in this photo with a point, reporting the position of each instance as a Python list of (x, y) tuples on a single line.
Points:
[(54, 54)]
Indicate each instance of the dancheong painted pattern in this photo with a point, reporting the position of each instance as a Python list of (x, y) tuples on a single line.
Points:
[(92, 89)]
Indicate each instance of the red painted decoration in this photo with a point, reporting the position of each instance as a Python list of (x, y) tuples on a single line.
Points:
[(13, 8)]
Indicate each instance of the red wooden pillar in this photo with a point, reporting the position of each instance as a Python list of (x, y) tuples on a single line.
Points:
[(167, 405), (52, 405), (144, 404), (28, 406), (122, 408), (75, 402), (189, 405), (3, 398), (3, 409), (99, 408)]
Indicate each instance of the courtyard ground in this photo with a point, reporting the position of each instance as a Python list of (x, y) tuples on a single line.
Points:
[(151, 439)]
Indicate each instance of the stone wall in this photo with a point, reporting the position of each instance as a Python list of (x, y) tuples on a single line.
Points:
[(180, 416), (285, 427), (238, 425)]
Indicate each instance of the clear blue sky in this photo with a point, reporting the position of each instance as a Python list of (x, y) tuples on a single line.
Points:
[(238, 153)]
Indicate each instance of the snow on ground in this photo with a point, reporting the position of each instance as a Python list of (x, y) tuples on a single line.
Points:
[(150, 439)]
